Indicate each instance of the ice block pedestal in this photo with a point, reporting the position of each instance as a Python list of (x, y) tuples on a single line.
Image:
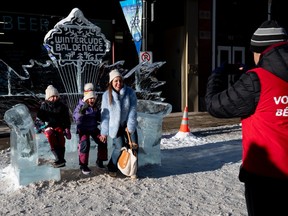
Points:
[(24, 150)]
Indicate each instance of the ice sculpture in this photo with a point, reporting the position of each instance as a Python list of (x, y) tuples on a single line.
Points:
[(76, 47), (24, 151), (75, 68), (23, 148), (146, 82), (150, 118), (78, 66)]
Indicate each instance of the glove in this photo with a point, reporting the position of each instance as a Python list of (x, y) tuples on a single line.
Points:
[(229, 69), (83, 108), (67, 133), (40, 126)]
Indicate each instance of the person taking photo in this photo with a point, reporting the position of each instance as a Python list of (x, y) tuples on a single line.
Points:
[(259, 98)]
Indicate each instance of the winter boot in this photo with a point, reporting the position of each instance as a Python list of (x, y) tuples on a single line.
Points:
[(62, 154), (55, 155), (85, 169), (59, 156), (99, 163), (112, 169)]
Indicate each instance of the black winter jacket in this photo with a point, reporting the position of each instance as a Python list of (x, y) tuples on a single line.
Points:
[(55, 114), (241, 98)]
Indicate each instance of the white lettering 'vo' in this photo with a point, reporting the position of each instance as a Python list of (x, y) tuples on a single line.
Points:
[(282, 99)]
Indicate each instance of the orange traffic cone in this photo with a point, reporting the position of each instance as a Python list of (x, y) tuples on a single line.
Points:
[(184, 124)]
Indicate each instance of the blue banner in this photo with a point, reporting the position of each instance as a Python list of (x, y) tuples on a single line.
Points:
[(132, 10)]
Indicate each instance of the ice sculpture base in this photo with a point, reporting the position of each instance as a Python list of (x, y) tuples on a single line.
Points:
[(29, 175)]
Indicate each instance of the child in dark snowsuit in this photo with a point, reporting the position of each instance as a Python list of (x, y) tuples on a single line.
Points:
[(55, 114)]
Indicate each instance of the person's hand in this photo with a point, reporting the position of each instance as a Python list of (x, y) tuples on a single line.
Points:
[(67, 133), (229, 69), (134, 145), (83, 108), (243, 68), (102, 138)]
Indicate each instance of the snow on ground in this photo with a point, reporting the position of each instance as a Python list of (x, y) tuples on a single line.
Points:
[(198, 176)]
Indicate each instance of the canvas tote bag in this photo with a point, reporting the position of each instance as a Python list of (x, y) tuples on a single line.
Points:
[(127, 161)]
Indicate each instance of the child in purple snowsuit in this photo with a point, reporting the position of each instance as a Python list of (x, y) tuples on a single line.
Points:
[(87, 117)]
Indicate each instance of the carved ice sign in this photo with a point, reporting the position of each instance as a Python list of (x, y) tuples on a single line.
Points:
[(75, 40)]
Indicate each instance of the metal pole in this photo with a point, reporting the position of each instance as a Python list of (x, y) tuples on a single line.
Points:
[(113, 41), (269, 9), (214, 35), (144, 26)]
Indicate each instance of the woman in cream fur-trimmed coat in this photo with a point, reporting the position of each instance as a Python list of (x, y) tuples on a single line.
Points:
[(118, 112)]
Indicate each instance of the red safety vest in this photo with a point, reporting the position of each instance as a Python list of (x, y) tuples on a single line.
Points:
[(265, 133)]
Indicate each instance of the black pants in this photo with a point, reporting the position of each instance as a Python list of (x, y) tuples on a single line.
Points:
[(266, 197)]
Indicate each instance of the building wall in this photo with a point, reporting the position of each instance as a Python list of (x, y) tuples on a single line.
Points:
[(205, 48), (167, 34)]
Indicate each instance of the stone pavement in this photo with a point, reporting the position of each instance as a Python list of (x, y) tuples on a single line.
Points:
[(171, 123)]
